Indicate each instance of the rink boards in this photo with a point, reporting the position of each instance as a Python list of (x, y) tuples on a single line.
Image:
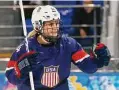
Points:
[(81, 81)]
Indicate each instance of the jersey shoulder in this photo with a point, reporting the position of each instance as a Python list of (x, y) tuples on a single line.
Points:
[(71, 43), (68, 39)]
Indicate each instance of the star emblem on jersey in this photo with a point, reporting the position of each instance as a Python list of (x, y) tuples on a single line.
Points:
[(50, 76)]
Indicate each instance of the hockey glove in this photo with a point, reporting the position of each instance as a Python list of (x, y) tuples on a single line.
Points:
[(102, 55), (24, 64)]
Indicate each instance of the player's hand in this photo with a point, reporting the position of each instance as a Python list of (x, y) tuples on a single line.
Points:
[(102, 54), (24, 64)]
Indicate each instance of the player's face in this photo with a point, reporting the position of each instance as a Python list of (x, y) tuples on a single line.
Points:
[(51, 28)]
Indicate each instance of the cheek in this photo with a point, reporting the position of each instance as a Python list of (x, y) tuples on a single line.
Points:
[(47, 30)]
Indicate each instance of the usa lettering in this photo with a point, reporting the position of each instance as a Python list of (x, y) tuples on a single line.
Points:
[(51, 69)]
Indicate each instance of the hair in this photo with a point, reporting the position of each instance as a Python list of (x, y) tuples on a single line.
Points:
[(32, 33)]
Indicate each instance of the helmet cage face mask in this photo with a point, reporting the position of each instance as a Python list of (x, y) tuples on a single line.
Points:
[(49, 36), (53, 33), (44, 14)]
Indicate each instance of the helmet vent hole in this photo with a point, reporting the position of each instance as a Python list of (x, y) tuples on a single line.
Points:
[(48, 16), (39, 9)]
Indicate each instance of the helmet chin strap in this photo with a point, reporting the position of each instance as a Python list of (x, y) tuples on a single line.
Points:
[(51, 39), (46, 40), (41, 40)]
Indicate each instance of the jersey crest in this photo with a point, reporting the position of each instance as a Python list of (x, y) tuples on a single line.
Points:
[(50, 76)]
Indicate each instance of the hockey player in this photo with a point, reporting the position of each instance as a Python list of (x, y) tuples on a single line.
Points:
[(50, 55)]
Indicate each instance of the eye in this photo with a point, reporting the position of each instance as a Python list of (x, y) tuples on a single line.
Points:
[(52, 24)]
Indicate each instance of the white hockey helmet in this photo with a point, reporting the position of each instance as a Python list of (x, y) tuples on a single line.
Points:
[(43, 13)]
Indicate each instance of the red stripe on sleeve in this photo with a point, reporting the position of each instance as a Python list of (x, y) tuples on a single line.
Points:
[(26, 54), (17, 70), (11, 63), (14, 64), (79, 55)]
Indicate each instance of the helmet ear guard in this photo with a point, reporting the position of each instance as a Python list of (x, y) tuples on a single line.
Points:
[(38, 26)]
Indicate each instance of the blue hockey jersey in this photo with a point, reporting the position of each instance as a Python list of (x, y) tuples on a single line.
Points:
[(54, 64)]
